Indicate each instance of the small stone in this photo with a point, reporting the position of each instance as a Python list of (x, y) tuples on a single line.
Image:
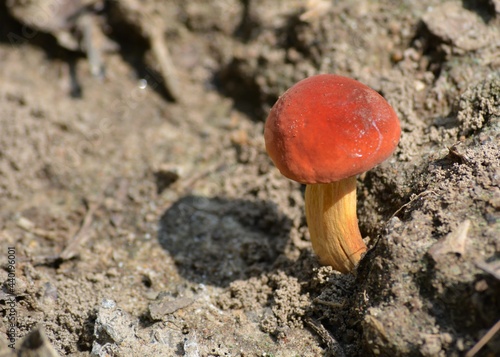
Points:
[(431, 346), (419, 86), (166, 305), (481, 285), (108, 303), (455, 25)]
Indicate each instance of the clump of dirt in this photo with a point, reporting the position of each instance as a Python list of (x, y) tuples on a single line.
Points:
[(147, 218)]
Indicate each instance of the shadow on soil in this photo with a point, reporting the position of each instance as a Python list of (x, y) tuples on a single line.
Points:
[(216, 240), (444, 300)]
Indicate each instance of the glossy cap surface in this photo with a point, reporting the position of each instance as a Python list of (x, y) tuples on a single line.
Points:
[(326, 128)]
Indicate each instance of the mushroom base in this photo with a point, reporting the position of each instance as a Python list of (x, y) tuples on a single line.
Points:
[(333, 224)]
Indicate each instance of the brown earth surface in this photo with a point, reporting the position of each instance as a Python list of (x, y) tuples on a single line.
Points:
[(148, 220)]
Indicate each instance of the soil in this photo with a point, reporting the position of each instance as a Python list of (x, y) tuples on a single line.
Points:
[(147, 218)]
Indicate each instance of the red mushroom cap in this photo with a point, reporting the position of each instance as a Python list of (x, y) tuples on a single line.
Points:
[(326, 128)]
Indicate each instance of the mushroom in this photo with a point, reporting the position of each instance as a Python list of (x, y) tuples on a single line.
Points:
[(322, 132)]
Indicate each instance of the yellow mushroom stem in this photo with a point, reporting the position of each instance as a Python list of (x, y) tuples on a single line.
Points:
[(333, 224)]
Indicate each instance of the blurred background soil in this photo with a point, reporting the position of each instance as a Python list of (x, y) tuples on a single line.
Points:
[(148, 220)]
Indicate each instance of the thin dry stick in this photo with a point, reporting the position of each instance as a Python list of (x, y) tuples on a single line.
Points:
[(329, 303), (492, 268), (333, 347), (90, 33), (420, 195), (167, 68), (81, 236), (151, 27), (183, 187), (484, 340)]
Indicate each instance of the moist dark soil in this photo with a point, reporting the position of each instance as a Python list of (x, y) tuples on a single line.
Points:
[(147, 219)]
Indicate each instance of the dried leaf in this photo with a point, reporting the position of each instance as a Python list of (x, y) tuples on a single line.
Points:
[(454, 242)]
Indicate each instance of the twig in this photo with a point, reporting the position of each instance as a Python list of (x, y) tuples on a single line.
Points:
[(81, 236), (184, 187), (187, 185), (28, 226), (167, 68), (420, 195), (333, 348), (484, 340), (329, 303), (492, 268), (87, 25), (70, 251)]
